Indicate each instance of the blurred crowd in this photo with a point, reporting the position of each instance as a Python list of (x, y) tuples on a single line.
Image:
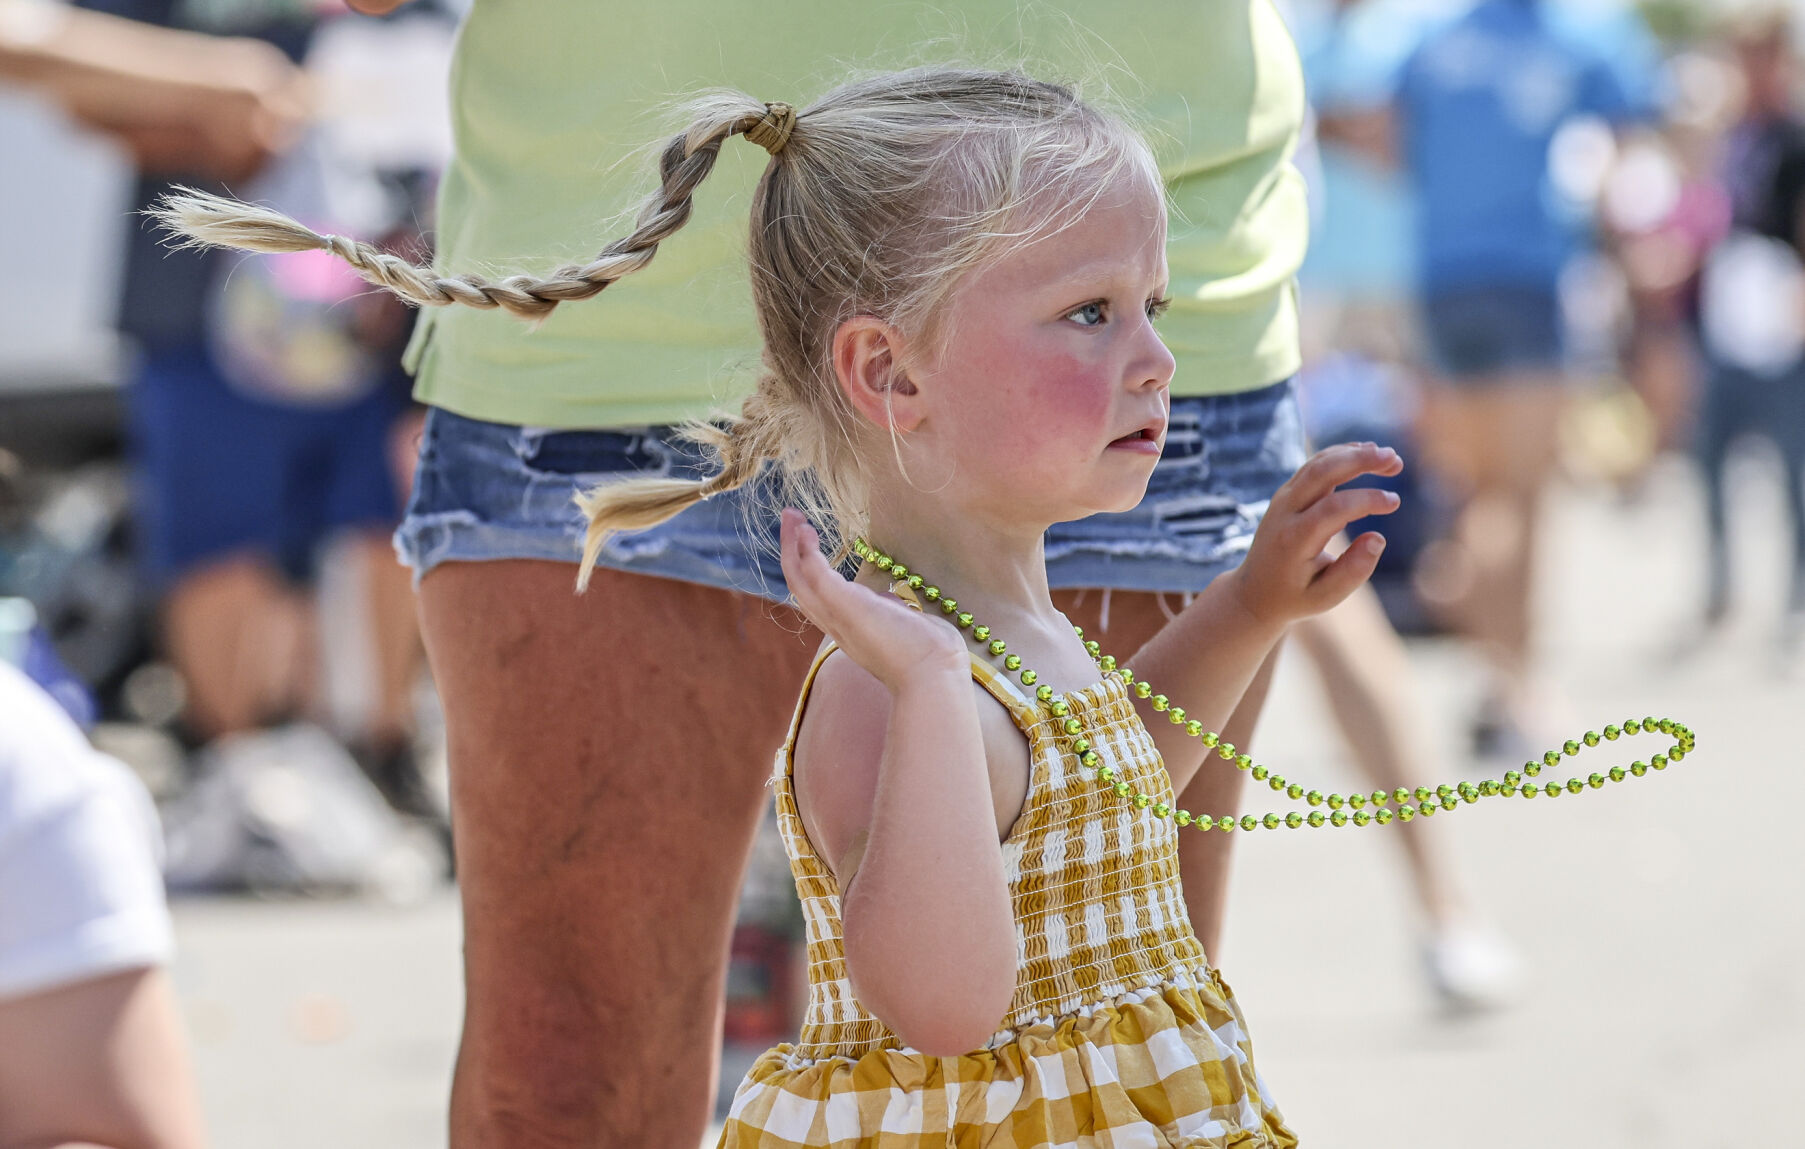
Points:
[(1554, 247), (200, 464), (207, 558)]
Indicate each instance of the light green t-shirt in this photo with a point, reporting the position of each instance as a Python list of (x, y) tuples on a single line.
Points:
[(556, 101)]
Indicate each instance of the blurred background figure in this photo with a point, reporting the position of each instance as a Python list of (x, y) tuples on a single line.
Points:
[(1660, 210), (266, 411), (1354, 387), (262, 408), (1485, 108), (91, 1045), (1752, 300)]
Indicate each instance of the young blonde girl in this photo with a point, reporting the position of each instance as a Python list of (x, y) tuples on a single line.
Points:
[(956, 274)]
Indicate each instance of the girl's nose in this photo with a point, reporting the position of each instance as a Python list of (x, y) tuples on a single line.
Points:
[(1153, 364)]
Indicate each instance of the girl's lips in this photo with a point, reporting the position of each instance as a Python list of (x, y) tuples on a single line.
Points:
[(1144, 441)]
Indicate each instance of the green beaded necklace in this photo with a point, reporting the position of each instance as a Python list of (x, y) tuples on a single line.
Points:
[(1400, 805)]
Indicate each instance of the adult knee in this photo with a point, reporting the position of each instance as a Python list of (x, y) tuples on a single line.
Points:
[(514, 1090), (563, 1064)]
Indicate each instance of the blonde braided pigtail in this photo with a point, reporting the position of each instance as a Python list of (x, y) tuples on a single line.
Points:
[(741, 444), (211, 221)]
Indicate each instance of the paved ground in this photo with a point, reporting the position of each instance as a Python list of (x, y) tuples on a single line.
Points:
[(1663, 921)]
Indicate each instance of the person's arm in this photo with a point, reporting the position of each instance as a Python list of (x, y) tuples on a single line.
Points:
[(179, 101), (1205, 658), (902, 796), (100, 1062)]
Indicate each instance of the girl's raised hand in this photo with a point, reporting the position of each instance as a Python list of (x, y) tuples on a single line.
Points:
[(1288, 573), (894, 643)]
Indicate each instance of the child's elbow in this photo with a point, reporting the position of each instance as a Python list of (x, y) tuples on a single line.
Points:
[(960, 1021), (950, 1037), (942, 995)]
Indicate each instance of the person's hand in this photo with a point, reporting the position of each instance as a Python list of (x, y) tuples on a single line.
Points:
[(891, 641), (258, 105), (238, 104), (1288, 573), (183, 103), (248, 105)]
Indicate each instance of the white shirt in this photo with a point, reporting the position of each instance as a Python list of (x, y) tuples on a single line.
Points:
[(81, 890)]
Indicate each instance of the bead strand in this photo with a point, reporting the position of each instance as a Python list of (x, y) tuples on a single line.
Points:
[(1400, 805)]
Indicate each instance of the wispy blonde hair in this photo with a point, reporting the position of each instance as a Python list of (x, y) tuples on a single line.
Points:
[(878, 200)]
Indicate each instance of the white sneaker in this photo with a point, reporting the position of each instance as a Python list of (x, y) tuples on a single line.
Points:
[(1471, 969)]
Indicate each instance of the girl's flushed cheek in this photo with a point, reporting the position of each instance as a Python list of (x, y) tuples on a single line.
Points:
[(1070, 398), (1054, 406), (1034, 400)]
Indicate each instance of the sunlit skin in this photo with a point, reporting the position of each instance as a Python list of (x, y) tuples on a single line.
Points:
[(1045, 400), (1010, 422), (1048, 356)]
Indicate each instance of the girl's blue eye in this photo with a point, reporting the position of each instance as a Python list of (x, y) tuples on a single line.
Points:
[(1090, 315), (1158, 307)]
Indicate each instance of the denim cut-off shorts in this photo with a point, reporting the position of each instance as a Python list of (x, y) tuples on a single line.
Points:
[(487, 491)]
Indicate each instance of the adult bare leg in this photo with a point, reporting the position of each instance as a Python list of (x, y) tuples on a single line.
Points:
[(1496, 444), (1204, 860), (608, 763), (1373, 695), (242, 640), (394, 635)]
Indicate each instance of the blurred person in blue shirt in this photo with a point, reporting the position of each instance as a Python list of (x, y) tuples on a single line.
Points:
[(1480, 105), (1481, 102)]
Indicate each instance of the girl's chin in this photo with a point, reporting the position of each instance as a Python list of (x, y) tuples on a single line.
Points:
[(1111, 500)]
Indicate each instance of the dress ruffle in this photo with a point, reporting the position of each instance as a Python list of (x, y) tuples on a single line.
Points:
[(1166, 1065)]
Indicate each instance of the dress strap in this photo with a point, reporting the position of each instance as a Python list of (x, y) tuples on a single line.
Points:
[(787, 754), (1004, 691)]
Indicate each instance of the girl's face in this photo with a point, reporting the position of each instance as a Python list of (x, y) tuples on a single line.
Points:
[(1049, 397)]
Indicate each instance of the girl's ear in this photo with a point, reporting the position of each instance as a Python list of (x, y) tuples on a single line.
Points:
[(867, 358)]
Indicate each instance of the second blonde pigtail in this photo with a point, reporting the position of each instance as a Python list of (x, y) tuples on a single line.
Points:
[(742, 445)]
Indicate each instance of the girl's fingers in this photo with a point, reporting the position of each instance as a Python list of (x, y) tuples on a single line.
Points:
[(1331, 514), (829, 601), (799, 552), (857, 618), (1344, 575), (1331, 467)]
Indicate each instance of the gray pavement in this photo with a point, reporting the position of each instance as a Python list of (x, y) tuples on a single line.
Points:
[(1662, 922)]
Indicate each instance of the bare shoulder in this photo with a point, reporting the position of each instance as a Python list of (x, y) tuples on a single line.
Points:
[(840, 749)]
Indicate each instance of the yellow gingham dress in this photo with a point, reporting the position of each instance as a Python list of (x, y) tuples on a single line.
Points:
[(1120, 1034)]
